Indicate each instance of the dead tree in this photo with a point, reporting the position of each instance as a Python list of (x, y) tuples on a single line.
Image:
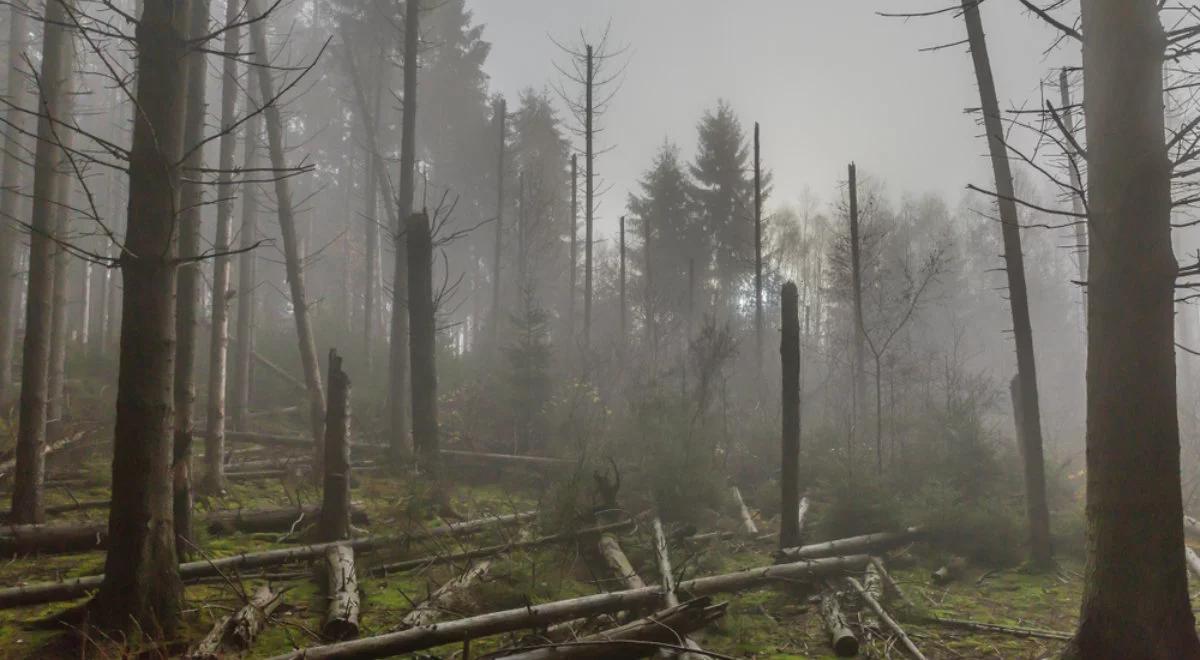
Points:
[(10, 179), (501, 117), (422, 315), (789, 353), (1135, 598), (758, 256), (341, 591), (233, 635), (218, 347), (841, 637), (398, 371), (860, 329), (287, 226), (1030, 436), (573, 276), (624, 312), (57, 374), (191, 199), (589, 132), (58, 57), (141, 590), (243, 349), (1081, 239), (335, 506)]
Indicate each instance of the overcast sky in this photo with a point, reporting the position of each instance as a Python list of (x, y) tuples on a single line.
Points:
[(829, 80)]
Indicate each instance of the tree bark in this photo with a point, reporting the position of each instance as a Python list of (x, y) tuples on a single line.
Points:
[(341, 590), (423, 346), (218, 348), (58, 56), (747, 520), (872, 602), (1135, 599), (624, 312), (573, 276), (589, 209), (851, 544), (1040, 552), (758, 260), (187, 310), (243, 349), (10, 199), (501, 113), (233, 635), (860, 329), (841, 638), (789, 353), (287, 227), (1073, 165), (56, 378), (141, 589), (335, 507), (398, 371)]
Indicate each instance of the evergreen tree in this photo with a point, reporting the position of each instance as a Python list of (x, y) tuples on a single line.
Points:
[(529, 357)]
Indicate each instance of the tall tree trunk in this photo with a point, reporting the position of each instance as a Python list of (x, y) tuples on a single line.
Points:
[(421, 312), (573, 276), (651, 321), (287, 227), (758, 264), (58, 57), (789, 357), (501, 116), (371, 226), (10, 199), (141, 592), (1135, 600), (218, 347), (398, 368), (1073, 165), (1041, 553), (187, 304), (335, 503), (624, 312), (588, 197), (55, 404), (858, 381), (243, 349)]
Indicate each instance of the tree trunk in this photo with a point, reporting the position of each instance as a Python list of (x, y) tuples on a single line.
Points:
[(243, 349), (335, 507), (56, 378), (589, 136), (841, 638), (618, 563), (10, 199), (1040, 551), (1073, 166), (445, 597), (860, 329), (789, 353), (624, 313), (58, 57), (873, 602), (141, 590), (747, 520), (573, 276), (233, 635), (501, 113), (398, 371), (218, 350), (341, 591), (1135, 599), (851, 544), (187, 310), (421, 313), (758, 260), (287, 227)]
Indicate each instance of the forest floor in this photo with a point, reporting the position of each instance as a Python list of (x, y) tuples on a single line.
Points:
[(766, 623)]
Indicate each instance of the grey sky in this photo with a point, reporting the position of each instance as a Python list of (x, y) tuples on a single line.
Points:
[(829, 80)]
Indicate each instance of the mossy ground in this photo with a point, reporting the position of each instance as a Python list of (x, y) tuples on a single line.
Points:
[(778, 622)]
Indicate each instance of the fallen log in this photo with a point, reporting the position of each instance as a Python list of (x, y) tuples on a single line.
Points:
[(980, 626), (341, 614), (269, 440), (618, 563), (533, 616), (950, 572), (493, 550), (6, 467), (747, 519), (35, 594), (873, 585), (663, 627), (667, 578), (873, 603), (234, 634), (430, 609), (853, 544), (540, 461), (841, 637), (281, 372), (891, 584), (272, 520)]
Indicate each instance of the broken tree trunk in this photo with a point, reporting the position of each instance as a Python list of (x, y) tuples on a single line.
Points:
[(873, 584), (422, 313), (747, 519), (1193, 561), (841, 638), (233, 635), (76, 587), (667, 577), (663, 627), (335, 507), (431, 609), (997, 628), (789, 355), (532, 616), (851, 544), (272, 520), (293, 260), (873, 603), (341, 614), (618, 563)]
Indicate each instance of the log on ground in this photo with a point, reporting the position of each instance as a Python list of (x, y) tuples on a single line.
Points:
[(850, 545), (341, 591), (233, 635), (841, 637)]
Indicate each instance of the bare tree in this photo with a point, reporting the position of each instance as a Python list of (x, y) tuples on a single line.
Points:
[(243, 353), (789, 355), (10, 179)]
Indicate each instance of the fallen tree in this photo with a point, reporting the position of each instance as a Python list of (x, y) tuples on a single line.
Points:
[(234, 634), (35, 594), (853, 544), (664, 627), (430, 609), (533, 616), (841, 637), (744, 511), (873, 603), (341, 592)]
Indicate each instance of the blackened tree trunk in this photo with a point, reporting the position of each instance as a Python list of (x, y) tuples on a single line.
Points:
[(141, 592), (55, 402), (187, 303), (58, 55), (243, 349), (858, 381), (335, 505), (573, 276), (501, 115), (287, 227), (421, 312), (624, 311), (1135, 600), (651, 328), (10, 179), (398, 372), (789, 357), (588, 197), (758, 263), (1040, 551), (218, 348)]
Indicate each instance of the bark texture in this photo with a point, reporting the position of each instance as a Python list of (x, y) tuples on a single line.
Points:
[(789, 354), (423, 343), (10, 181), (335, 507)]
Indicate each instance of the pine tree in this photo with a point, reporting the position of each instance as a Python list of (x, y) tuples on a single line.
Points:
[(724, 190)]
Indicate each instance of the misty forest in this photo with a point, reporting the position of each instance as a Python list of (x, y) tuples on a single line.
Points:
[(520, 329)]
